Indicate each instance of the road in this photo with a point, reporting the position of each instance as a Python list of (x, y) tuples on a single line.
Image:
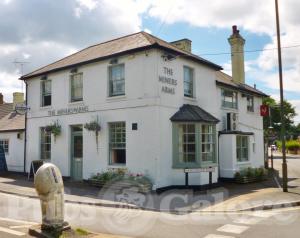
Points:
[(10, 228), (137, 223)]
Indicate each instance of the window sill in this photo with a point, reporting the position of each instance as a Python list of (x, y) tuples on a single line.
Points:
[(116, 98), (112, 166), (193, 99), (79, 103), (243, 162), (230, 109), (44, 108)]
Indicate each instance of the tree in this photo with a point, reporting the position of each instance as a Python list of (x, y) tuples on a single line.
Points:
[(274, 120)]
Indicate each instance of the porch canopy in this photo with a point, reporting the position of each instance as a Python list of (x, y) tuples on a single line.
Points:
[(192, 113)]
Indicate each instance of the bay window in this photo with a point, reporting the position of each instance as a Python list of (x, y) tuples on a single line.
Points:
[(193, 145), (242, 148)]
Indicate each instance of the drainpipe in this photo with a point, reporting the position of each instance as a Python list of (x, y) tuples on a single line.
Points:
[(25, 134)]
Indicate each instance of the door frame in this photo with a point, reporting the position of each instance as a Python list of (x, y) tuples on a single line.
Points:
[(72, 149)]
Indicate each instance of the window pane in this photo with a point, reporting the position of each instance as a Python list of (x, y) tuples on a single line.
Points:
[(229, 98), (117, 143), (46, 93), (207, 143), (76, 87), (45, 144), (117, 80), (188, 81), (187, 143), (242, 148)]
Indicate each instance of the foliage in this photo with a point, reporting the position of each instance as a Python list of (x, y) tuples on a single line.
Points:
[(54, 128), (120, 174), (93, 126), (290, 145), (289, 114), (251, 173)]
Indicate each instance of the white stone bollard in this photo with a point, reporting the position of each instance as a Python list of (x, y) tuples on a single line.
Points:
[(50, 188)]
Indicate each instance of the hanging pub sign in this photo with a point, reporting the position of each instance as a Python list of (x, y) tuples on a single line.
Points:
[(21, 108), (264, 110)]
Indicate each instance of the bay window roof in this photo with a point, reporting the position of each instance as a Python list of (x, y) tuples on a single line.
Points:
[(192, 113)]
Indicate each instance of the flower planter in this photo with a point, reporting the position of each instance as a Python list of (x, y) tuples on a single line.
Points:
[(246, 179), (117, 184)]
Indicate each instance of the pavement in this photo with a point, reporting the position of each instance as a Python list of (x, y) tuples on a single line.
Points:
[(229, 196)]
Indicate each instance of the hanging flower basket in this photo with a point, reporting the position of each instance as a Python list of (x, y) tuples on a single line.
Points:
[(54, 128), (95, 127)]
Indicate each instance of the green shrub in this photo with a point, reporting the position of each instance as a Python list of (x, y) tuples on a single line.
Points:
[(251, 173), (293, 145)]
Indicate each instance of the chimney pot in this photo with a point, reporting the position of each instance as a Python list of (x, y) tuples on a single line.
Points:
[(234, 29)]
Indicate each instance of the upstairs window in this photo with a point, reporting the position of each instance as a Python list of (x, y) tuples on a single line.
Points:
[(116, 80), (5, 145), (45, 144), (46, 93), (76, 87), (117, 143), (250, 103), (242, 144), (229, 98), (188, 81)]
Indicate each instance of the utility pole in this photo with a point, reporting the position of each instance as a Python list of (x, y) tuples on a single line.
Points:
[(284, 164)]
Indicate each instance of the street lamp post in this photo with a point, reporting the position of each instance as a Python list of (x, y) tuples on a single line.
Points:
[(284, 165)]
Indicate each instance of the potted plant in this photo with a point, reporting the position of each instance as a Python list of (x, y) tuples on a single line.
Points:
[(249, 175), (54, 128), (95, 127)]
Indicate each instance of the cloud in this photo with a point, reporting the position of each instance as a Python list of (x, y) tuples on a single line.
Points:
[(40, 32)]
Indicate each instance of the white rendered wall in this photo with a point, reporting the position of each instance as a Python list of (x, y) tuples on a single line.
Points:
[(15, 157)]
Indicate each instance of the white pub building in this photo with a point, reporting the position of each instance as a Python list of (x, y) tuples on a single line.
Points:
[(161, 110)]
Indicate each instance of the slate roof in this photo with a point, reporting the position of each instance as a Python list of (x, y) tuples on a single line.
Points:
[(5, 109), (120, 46), (226, 80), (12, 122), (192, 113)]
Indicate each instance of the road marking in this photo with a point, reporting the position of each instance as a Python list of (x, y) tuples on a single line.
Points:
[(263, 214), (233, 229), (248, 220), (17, 221), (217, 236), (12, 232), (19, 227)]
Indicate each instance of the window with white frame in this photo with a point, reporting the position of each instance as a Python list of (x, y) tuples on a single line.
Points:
[(207, 142), (76, 87), (45, 144), (242, 148), (188, 81), (117, 143), (229, 98), (250, 103), (116, 80), (4, 143), (187, 143), (46, 93), (193, 145)]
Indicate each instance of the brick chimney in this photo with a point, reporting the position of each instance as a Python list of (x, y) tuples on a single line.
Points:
[(183, 44), (237, 43), (18, 98), (1, 99)]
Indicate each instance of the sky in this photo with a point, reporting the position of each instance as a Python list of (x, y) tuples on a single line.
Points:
[(39, 32)]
